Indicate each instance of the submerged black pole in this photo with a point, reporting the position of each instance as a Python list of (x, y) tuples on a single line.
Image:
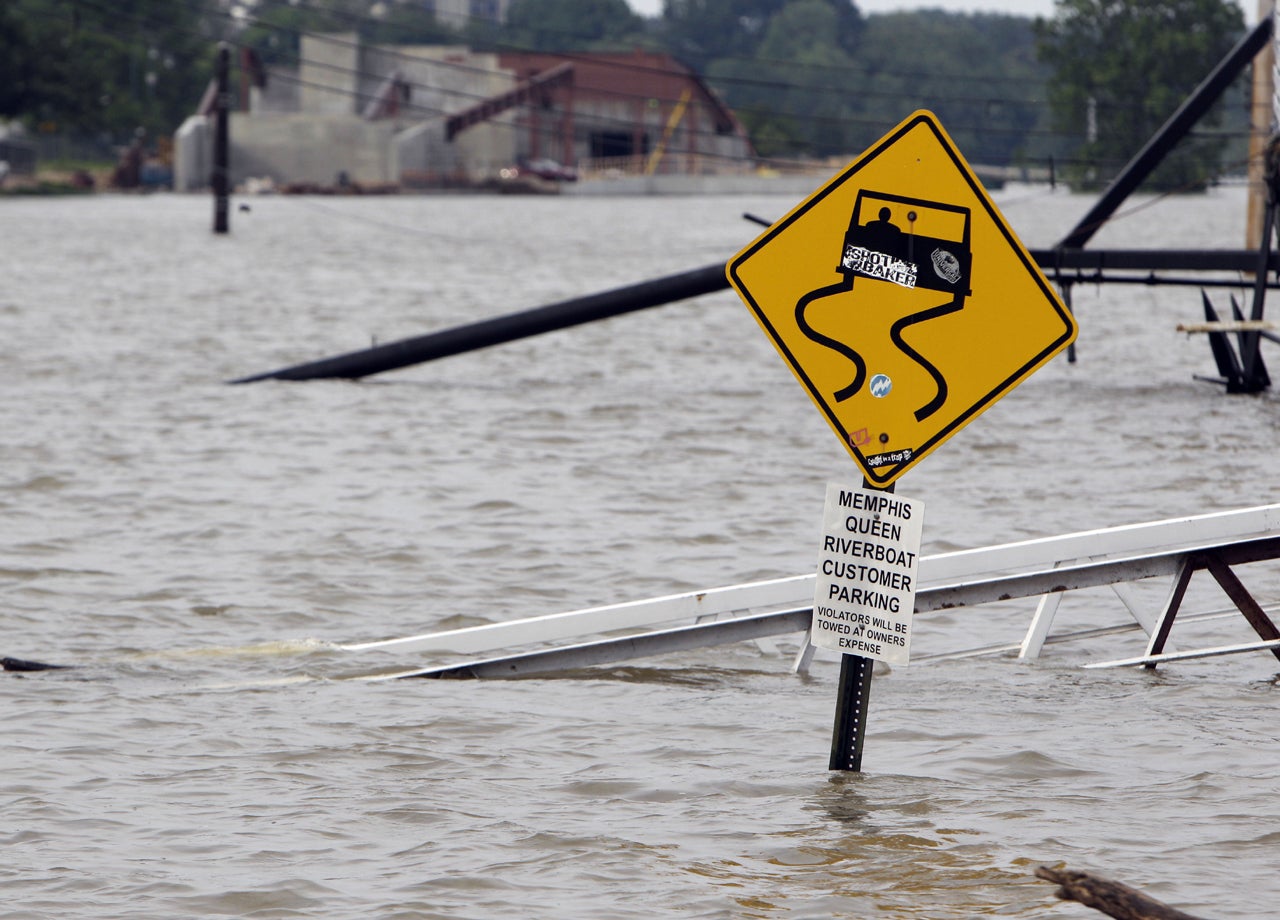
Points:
[(853, 696), (1255, 375), (852, 699), (221, 179), (19, 664), (507, 328)]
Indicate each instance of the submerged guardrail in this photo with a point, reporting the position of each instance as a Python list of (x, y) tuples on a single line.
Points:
[(1048, 568)]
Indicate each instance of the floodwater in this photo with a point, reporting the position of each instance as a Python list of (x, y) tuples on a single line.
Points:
[(197, 549)]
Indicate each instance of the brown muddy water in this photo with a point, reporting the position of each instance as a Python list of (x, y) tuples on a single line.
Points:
[(197, 548)]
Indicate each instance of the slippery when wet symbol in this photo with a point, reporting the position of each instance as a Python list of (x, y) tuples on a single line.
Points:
[(932, 274), (901, 265)]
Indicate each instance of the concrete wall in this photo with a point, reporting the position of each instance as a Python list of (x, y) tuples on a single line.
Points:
[(327, 74), (445, 79), (281, 94), (193, 154), (326, 137), (288, 148), (424, 157), (311, 148)]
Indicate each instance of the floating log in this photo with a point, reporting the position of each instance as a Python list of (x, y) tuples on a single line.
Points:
[(1111, 898)]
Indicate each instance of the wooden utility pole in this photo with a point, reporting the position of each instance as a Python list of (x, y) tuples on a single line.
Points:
[(1263, 119)]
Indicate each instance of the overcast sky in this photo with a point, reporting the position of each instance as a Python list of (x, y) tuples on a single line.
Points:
[(1019, 7), (1014, 7)]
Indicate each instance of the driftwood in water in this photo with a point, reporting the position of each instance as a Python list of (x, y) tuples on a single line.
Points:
[(1112, 898)]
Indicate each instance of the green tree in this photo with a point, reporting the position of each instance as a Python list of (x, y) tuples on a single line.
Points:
[(275, 32), (1121, 68), (700, 31), (819, 84), (17, 65), (274, 28), (977, 73), (409, 24), (803, 28), (570, 25), (93, 66), (793, 95)]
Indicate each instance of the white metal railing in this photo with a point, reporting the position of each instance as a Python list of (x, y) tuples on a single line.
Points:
[(1045, 567)]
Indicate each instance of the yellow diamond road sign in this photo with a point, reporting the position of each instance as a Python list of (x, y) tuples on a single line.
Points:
[(901, 300)]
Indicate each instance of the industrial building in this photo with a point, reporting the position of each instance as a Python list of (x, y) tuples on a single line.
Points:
[(446, 116)]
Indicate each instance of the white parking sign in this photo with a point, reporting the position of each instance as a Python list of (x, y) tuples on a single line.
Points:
[(866, 585)]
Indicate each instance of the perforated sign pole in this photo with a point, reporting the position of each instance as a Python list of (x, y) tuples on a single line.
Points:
[(853, 697)]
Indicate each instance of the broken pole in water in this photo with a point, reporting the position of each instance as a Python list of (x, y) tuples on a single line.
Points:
[(221, 177), (1088, 265), (1068, 256), (501, 329)]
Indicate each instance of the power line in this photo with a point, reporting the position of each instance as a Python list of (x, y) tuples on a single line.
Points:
[(638, 67), (430, 111), (851, 121)]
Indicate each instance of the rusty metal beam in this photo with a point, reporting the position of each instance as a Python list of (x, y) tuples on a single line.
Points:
[(1241, 597), (531, 89)]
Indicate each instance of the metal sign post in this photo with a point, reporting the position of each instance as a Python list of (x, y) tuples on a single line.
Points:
[(853, 697)]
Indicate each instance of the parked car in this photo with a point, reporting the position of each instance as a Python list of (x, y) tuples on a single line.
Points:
[(541, 168)]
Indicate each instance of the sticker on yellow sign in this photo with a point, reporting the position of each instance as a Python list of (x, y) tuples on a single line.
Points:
[(901, 299)]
